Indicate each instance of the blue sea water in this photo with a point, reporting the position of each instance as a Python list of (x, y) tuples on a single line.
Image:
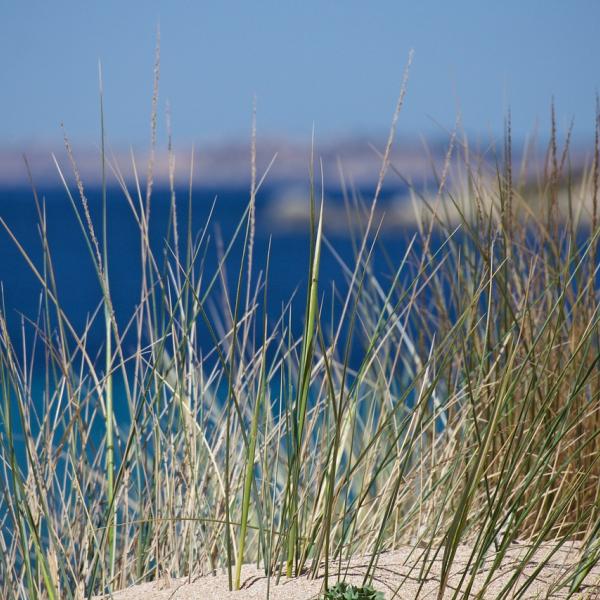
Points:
[(77, 283)]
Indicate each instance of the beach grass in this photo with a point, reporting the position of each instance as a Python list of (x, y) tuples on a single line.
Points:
[(452, 400)]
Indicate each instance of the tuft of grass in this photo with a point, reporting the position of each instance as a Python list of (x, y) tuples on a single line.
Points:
[(445, 396), (346, 591)]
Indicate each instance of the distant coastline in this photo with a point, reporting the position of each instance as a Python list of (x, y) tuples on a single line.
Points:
[(355, 160)]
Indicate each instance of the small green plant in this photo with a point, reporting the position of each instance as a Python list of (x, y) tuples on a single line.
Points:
[(346, 591)]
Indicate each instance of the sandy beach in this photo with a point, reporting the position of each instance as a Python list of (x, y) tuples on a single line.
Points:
[(400, 574)]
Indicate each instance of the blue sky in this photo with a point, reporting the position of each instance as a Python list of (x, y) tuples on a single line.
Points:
[(335, 63)]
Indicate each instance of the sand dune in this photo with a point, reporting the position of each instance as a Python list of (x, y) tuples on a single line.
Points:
[(401, 574)]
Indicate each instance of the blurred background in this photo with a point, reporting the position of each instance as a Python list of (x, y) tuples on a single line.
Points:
[(336, 66)]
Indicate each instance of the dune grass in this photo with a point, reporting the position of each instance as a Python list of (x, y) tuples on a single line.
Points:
[(454, 399)]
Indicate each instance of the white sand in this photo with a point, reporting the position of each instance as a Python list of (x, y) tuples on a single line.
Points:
[(397, 574)]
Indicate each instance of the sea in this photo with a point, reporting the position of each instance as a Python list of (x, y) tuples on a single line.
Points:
[(215, 214)]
